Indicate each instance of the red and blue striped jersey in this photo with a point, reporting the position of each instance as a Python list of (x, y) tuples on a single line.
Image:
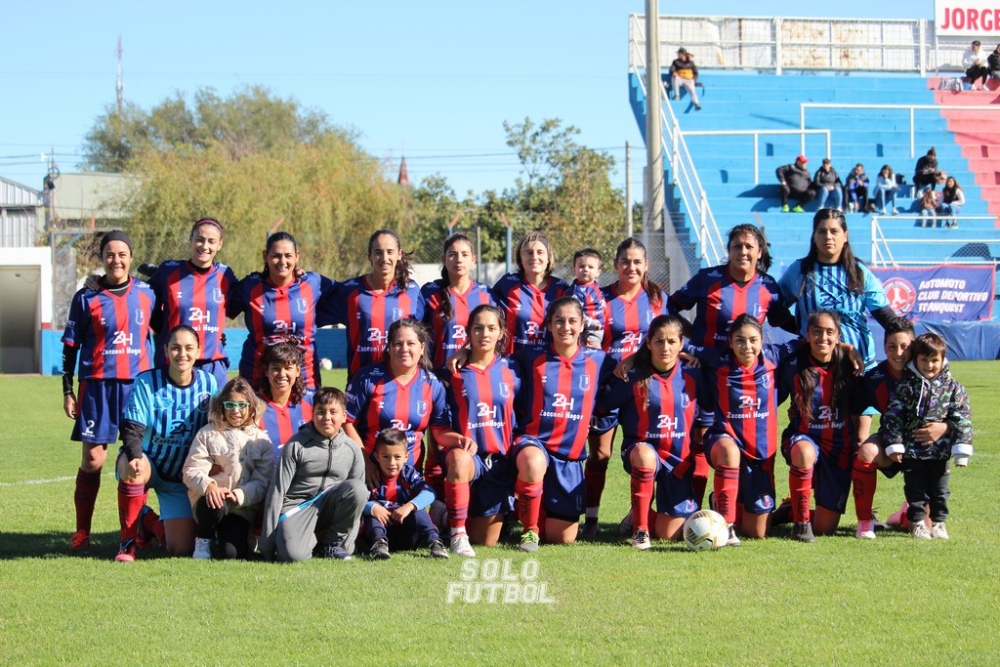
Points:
[(557, 397), (831, 426), (746, 400), (112, 331), (524, 307), (274, 315), (283, 421), (660, 410), (196, 298), (367, 314), (376, 400), (449, 336), (591, 296), (172, 416), (718, 300), (395, 492), (880, 384), (482, 405), (626, 321)]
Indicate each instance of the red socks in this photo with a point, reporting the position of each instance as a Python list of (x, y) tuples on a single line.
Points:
[(131, 498), (727, 486), (800, 484), (456, 499), (865, 480), (594, 475), (88, 484), (642, 496), (528, 503), (701, 469)]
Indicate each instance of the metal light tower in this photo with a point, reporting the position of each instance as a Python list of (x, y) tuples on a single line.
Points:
[(120, 85)]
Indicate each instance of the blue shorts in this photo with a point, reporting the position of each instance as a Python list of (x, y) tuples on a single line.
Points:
[(172, 496), (219, 368), (831, 483), (564, 496), (674, 488), (605, 422), (756, 492), (492, 489), (100, 405)]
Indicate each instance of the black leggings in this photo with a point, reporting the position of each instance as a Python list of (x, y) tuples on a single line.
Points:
[(230, 531)]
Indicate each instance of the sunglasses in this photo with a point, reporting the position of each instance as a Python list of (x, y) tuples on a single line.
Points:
[(235, 405)]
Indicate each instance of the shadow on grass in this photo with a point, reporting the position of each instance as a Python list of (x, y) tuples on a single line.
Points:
[(55, 544)]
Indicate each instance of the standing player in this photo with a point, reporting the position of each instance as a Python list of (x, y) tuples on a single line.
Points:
[(658, 404), (559, 386), (166, 409), (831, 278), (720, 294), (369, 304), (631, 303), (403, 393), (194, 292), (288, 404), (818, 443), (449, 301), (525, 296), (278, 305), (108, 329), (479, 485)]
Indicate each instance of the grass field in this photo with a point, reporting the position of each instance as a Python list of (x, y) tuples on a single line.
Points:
[(838, 601)]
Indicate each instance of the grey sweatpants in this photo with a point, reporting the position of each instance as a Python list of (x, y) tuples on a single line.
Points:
[(336, 514)]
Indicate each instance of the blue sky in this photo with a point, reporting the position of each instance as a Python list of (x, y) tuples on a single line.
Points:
[(433, 80)]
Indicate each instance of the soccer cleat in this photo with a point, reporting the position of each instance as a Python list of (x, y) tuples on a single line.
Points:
[(529, 541), (920, 531), (898, 519), (590, 529), (877, 524), (798, 209), (711, 501), (938, 531), (782, 513), (733, 540), (126, 553), (143, 538), (784, 208), (439, 550), (460, 546), (380, 550), (80, 541), (803, 532), (202, 548), (641, 540), (625, 526), (866, 530), (335, 551)]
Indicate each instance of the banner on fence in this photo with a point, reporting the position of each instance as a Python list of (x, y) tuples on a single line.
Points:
[(968, 17), (945, 293)]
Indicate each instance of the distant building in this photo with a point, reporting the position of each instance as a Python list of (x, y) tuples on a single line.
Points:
[(89, 197), (21, 215)]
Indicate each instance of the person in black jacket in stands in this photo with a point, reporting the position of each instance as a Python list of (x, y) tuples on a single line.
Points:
[(795, 181)]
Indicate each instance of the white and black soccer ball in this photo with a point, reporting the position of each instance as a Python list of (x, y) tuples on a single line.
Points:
[(705, 530), (325, 364)]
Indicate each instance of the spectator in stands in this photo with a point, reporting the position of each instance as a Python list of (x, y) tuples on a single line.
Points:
[(975, 63), (885, 191), (828, 184), (993, 62), (857, 189), (952, 201), (684, 74), (925, 172), (928, 206), (795, 182)]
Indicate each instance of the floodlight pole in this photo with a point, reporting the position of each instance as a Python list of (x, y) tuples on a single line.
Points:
[(653, 204)]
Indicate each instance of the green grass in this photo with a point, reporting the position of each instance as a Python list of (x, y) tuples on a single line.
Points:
[(774, 601)]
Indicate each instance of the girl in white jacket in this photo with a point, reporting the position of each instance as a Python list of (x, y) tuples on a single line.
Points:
[(227, 472)]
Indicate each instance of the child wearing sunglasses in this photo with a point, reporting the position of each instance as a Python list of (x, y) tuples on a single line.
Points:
[(227, 472)]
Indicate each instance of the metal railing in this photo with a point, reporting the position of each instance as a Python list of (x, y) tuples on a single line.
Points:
[(912, 108), (882, 255), (756, 141)]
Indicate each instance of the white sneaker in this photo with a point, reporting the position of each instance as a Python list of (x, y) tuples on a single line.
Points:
[(202, 548), (732, 540), (920, 531), (938, 531), (460, 546), (866, 530), (641, 540)]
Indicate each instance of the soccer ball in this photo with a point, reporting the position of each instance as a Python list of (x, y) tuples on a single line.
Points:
[(705, 530), (325, 364)]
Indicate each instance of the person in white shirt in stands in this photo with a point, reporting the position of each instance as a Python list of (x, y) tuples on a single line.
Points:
[(976, 67)]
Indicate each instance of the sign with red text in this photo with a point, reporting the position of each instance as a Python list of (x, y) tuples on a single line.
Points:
[(945, 293), (966, 17)]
